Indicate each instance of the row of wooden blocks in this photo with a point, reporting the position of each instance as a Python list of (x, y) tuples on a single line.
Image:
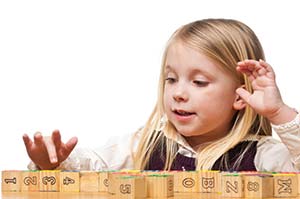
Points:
[(142, 184)]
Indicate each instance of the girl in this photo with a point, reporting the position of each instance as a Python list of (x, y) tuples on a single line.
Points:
[(216, 103)]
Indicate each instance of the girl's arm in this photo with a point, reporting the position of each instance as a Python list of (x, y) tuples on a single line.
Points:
[(116, 154)]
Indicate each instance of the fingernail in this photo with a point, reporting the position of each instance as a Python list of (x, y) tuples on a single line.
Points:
[(54, 160)]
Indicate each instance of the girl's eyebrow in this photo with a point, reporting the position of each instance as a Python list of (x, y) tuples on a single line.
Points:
[(194, 71)]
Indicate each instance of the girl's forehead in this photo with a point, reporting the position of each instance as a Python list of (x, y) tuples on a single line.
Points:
[(180, 55)]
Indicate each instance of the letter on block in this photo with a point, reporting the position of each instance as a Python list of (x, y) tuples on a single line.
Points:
[(209, 181), (285, 185), (232, 185)]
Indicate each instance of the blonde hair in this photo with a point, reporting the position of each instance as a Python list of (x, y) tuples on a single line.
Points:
[(226, 42)]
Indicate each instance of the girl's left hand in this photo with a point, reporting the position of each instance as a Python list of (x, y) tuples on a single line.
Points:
[(265, 99)]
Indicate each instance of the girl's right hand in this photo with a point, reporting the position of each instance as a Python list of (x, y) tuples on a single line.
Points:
[(49, 151)]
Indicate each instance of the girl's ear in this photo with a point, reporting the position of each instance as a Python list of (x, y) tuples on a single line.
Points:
[(239, 103)]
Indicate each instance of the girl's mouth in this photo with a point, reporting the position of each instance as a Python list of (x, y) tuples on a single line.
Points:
[(183, 113)]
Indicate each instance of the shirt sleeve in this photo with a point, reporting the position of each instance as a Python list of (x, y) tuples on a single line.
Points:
[(116, 154), (280, 156)]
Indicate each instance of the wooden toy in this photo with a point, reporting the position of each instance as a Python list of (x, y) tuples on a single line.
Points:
[(11, 180), (89, 181), (258, 185), (30, 181), (70, 181), (49, 180)]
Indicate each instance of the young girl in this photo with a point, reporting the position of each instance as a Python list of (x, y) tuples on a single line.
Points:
[(217, 101)]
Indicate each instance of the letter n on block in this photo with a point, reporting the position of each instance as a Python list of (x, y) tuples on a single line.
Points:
[(232, 185)]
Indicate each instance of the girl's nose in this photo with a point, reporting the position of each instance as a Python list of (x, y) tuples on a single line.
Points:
[(180, 94)]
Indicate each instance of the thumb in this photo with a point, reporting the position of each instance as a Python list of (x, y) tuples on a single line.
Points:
[(244, 94)]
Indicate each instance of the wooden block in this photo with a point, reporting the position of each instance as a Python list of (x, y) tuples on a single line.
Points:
[(232, 185), (298, 179), (285, 185), (103, 181), (69, 181), (131, 187), (49, 180), (113, 181), (89, 181), (160, 185), (258, 186), (186, 181), (209, 181), (30, 181), (11, 181)]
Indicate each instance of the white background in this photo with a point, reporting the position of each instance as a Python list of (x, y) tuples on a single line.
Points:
[(91, 68)]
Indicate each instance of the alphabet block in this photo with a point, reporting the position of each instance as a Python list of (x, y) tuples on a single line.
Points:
[(11, 181), (232, 185), (160, 185), (49, 180), (131, 187), (89, 181), (258, 186), (285, 185), (209, 181), (69, 181), (30, 181), (186, 181)]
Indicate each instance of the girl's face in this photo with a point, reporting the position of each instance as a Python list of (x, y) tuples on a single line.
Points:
[(199, 97)]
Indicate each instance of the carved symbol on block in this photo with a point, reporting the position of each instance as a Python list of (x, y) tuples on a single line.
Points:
[(208, 183), (188, 182), (233, 187), (105, 182), (125, 188), (285, 186), (12, 180), (170, 185), (253, 186), (68, 181), (30, 180), (49, 179)]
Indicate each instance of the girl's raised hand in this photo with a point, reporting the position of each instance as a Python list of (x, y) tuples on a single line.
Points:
[(48, 152), (265, 99)]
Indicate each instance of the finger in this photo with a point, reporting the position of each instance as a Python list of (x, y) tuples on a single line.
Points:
[(253, 66), (248, 64), (38, 138), (262, 71), (51, 150), (27, 141), (71, 144), (244, 94), (56, 138), (267, 66)]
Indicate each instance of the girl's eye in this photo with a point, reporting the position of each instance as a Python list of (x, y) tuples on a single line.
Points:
[(170, 80), (200, 83)]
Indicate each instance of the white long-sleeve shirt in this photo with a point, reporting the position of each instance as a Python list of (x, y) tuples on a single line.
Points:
[(272, 154)]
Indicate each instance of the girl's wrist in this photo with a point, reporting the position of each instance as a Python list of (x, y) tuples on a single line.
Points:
[(284, 115)]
